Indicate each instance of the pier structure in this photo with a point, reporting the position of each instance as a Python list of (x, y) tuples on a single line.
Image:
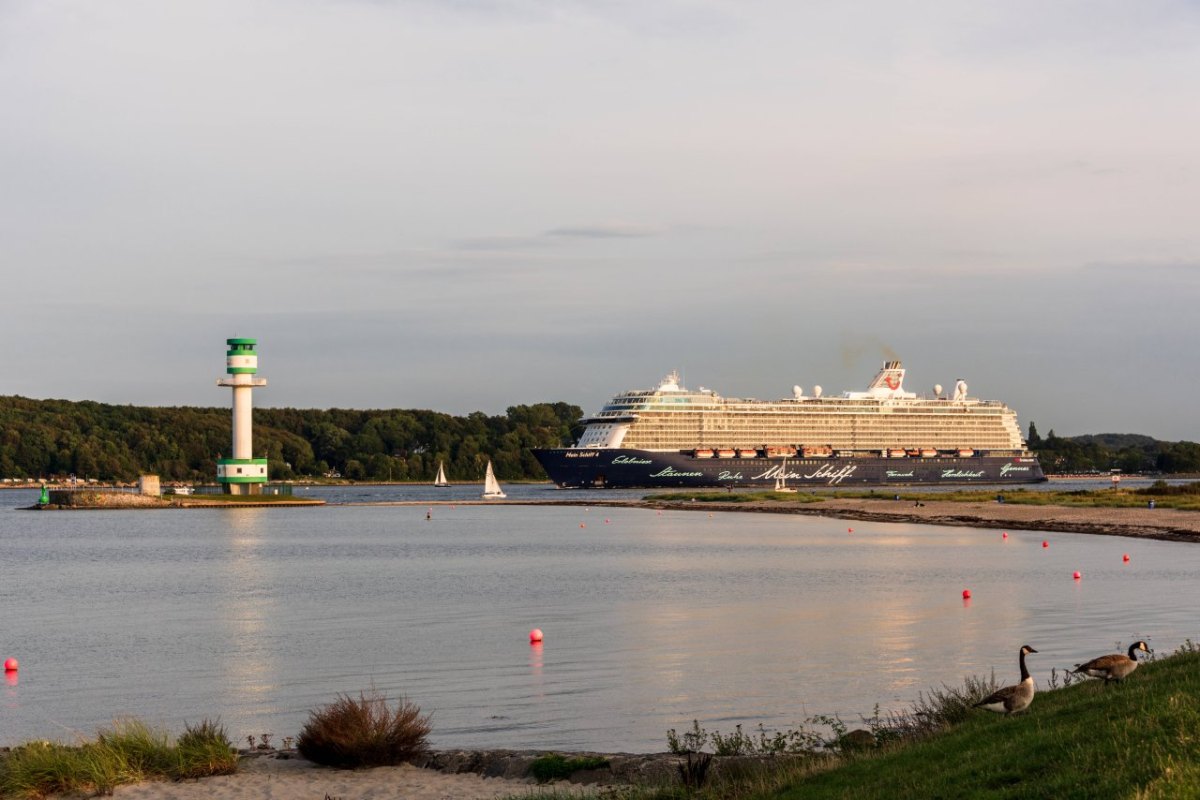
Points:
[(242, 474)]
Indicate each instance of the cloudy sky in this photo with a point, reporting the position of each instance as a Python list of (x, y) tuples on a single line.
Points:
[(466, 204)]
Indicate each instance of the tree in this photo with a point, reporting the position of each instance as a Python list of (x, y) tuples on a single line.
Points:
[(1033, 440)]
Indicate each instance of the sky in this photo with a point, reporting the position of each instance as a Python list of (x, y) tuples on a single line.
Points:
[(470, 204)]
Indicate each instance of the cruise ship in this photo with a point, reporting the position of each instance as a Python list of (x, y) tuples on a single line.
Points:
[(671, 436)]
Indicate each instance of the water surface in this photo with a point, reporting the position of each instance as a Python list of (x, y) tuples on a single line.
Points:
[(651, 620)]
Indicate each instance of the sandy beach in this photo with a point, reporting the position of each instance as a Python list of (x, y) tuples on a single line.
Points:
[(273, 779)]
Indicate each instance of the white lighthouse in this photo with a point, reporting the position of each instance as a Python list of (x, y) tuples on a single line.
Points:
[(242, 474)]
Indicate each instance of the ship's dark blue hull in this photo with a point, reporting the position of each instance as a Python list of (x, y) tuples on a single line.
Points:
[(583, 468)]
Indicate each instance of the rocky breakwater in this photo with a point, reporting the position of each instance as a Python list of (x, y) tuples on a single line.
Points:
[(95, 498)]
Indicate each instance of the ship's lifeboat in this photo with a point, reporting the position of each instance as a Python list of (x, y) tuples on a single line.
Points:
[(726, 453), (965, 452), (747, 452), (780, 452), (913, 452), (928, 452), (820, 451), (896, 452), (703, 454)]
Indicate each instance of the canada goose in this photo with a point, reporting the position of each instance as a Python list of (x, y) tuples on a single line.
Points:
[(1115, 667), (1011, 699)]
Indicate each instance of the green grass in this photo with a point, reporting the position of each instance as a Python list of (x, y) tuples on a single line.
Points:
[(555, 766), (1183, 497), (1140, 739), (128, 752)]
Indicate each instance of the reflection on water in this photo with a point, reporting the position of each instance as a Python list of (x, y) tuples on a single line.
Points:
[(651, 620)]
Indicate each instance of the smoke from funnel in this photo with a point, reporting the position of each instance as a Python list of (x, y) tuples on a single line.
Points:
[(855, 347)]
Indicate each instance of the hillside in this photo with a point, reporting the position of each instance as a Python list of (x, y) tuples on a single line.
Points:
[(43, 438)]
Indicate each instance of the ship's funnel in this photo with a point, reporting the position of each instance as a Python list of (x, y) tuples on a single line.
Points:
[(891, 377)]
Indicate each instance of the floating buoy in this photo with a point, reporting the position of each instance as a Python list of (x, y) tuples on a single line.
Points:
[(1045, 544), (849, 530), (1004, 535), (1125, 557), (1078, 575), (582, 525), (607, 521), (11, 665), (535, 635), (966, 594)]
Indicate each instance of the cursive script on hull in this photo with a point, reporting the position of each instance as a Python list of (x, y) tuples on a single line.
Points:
[(671, 472), (630, 460), (958, 474), (827, 472), (1007, 468)]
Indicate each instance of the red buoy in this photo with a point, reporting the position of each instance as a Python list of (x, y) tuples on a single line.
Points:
[(11, 665), (1078, 575), (966, 594), (1004, 535), (607, 521), (849, 530), (1125, 557), (1045, 544), (535, 635), (582, 525)]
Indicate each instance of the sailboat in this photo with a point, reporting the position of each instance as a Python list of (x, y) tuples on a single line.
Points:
[(491, 488), (781, 481), (441, 478)]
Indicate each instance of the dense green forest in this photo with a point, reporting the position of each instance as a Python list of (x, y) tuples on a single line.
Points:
[(44, 438), (1128, 452)]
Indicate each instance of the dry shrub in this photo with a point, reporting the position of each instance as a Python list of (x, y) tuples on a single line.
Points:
[(366, 732)]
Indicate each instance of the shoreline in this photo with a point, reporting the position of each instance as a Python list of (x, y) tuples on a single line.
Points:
[(459, 774)]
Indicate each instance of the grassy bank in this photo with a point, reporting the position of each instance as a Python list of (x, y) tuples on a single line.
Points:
[(129, 752), (1140, 739)]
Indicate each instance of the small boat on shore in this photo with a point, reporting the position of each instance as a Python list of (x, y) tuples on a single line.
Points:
[(491, 487), (441, 481)]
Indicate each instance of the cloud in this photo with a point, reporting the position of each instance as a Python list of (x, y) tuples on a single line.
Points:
[(608, 231)]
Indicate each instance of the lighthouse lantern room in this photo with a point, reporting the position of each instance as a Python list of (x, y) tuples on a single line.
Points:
[(242, 474)]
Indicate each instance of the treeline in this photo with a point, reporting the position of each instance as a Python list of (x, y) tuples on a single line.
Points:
[(49, 438), (1108, 451)]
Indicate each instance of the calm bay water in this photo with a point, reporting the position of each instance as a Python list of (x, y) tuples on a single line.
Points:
[(258, 615)]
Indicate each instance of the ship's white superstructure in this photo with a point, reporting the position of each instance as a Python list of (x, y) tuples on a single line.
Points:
[(884, 420)]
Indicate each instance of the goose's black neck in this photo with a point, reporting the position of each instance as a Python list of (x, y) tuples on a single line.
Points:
[(1024, 671), (1133, 648)]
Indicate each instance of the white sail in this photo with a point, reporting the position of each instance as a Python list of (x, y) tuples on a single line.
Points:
[(441, 477), (781, 479), (491, 488)]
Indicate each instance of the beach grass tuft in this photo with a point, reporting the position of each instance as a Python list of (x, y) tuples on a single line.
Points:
[(364, 732), (128, 752)]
